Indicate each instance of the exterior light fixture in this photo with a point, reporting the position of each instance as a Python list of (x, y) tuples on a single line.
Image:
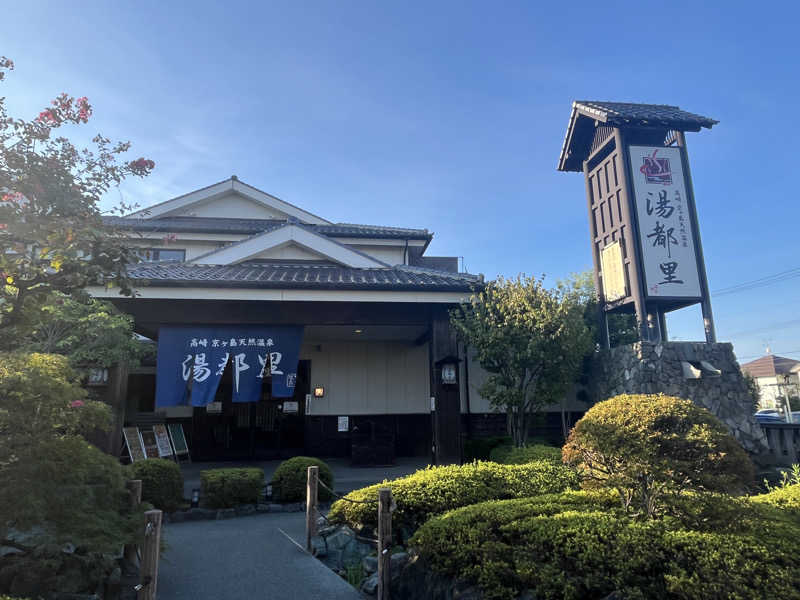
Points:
[(449, 368), (319, 392), (268, 493), (195, 498), (358, 331)]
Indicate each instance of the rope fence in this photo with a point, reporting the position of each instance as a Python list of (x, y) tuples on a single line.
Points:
[(385, 507)]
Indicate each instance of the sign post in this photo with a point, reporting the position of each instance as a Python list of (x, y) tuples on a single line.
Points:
[(648, 258)]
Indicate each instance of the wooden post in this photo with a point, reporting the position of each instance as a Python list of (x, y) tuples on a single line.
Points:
[(311, 505), (384, 543), (135, 489), (148, 572)]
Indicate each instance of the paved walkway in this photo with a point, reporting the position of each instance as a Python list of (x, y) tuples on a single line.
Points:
[(246, 558)]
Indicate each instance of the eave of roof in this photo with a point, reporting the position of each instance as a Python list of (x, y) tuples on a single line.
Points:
[(301, 276), (254, 226), (587, 114)]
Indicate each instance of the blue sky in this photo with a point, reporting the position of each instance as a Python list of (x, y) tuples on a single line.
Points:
[(445, 115)]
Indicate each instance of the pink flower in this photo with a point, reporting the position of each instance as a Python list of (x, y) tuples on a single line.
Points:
[(47, 117), (141, 165), (76, 403)]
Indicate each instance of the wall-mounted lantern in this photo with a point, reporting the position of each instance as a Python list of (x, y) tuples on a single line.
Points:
[(449, 369), (319, 392)]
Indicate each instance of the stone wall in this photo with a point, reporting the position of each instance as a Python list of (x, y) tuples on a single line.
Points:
[(648, 368)]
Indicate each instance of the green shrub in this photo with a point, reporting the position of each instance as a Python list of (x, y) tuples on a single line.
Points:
[(787, 497), (509, 455), (579, 545), (291, 478), (162, 482), (434, 490), (480, 448), (50, 476), (652, 448), (226, 488)]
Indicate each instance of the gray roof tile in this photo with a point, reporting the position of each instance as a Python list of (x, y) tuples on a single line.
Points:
[(628, 113), (252, 226), (270, 276)]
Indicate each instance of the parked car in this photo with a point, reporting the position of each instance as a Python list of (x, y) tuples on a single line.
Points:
[(769, 415)]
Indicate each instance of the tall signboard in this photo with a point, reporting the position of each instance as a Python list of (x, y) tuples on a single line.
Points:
[(645, 239)]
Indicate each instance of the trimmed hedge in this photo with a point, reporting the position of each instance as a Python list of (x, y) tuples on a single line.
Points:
[(291, 477), (480, 448), (787, 497), (509, 455), (162, 482), (579, 545), (226, 488), (653, 448), (434, 490)]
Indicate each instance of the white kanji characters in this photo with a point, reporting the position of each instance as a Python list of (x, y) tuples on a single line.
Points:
[(260, 342), (203, 343), (215, 343), (193, 343), (251, 341), (270, 343), (239, 366), (187, 368), (222, 363), (233, 343), (263, 362), (274, 361), (242, 342), (200, 368)]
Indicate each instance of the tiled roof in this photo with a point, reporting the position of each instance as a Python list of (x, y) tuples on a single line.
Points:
[(297, 276), (588, 115), (770, 365), (627, 113), (252, 226)]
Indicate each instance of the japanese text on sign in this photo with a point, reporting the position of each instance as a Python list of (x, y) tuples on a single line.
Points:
[(668, 253)]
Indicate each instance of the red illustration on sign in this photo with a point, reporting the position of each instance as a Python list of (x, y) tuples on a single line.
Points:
[(656, 170)]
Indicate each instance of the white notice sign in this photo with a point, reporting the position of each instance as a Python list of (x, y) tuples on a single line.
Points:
[(344, 424), (613, 270), (665, 225)]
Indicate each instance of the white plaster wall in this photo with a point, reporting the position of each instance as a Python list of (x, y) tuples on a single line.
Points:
[(369, 378), (770, 390), (479, 404), (232, 206), (290, 252), (193, 248), (388, 254)]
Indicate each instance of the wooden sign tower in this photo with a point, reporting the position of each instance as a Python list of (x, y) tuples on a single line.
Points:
[(645, 238)]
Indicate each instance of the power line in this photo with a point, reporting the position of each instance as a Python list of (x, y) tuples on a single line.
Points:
[(757, 283)]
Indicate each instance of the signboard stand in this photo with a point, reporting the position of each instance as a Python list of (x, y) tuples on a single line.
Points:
[(640, 198), (178, 439)]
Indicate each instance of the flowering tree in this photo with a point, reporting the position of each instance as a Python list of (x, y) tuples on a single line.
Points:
[(52, 236)]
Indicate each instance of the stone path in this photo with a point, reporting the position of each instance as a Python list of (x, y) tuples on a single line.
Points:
[(245, 558)]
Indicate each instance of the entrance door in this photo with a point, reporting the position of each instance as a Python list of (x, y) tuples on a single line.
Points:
[(268, 429)]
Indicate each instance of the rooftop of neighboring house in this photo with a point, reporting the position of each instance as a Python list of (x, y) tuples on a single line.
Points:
[(771, 365)]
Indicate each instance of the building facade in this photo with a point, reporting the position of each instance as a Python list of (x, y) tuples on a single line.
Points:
[(776, 377), (372, 307)]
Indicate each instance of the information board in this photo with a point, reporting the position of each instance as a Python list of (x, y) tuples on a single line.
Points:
[(613, 270), (162, 440), (178, 439), (133, 443), (150, 443)]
